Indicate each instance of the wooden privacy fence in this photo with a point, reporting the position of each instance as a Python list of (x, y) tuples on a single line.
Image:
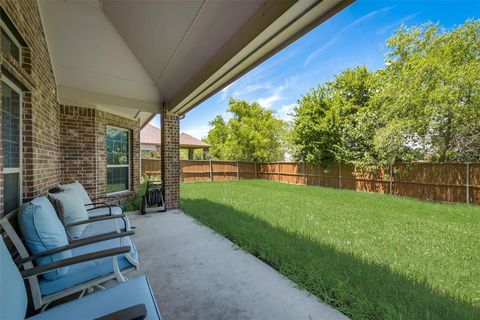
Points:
[(450, 182), (151, 166)]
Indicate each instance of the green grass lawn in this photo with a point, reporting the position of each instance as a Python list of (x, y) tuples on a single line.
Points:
[(371, 256)]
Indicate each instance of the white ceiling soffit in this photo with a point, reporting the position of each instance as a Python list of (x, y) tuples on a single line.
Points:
[(92, 63), (173, 40)]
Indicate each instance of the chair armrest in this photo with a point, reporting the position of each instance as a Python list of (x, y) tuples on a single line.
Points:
[(79, 243), (74, 260), (97, 219), (136, 312), (104, 205), (94, 204), (109, 197)]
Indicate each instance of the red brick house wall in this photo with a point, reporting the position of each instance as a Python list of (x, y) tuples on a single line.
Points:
[(83, 148), (40, 109), (78, 146), (60, 143)]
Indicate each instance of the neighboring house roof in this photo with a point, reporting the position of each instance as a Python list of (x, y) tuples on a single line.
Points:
[(151, 135), (187, 140)]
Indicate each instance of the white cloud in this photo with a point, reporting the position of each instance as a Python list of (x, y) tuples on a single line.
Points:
[(277, 93), (267, 102), (396, 24), (250, 88), (284, 112), (341, 31)]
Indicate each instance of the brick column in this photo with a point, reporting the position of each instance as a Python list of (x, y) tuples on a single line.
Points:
[(170, 154)]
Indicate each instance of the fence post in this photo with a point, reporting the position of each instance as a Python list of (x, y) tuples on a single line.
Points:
[(255, 169), (211, 173), (340, 176), (391, 178), (304, 173), (468, 182), (278, 173), (238, 171)]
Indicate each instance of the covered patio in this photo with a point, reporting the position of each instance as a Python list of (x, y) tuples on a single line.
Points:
[(80, 78)]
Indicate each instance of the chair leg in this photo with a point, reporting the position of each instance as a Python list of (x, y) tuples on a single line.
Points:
[(45, 306), (82, 293), (116, 269)]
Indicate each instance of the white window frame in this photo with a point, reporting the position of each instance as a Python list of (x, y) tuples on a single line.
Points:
[(18, 170), (119, 165), (7, 30)]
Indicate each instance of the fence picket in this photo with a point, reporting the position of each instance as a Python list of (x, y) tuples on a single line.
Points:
[(468, 183)]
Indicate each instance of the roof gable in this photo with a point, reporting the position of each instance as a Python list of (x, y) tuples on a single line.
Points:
[(152, 135)]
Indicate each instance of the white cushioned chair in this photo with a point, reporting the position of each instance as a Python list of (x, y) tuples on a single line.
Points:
[(127, 301), (97, 259), (99, 211)]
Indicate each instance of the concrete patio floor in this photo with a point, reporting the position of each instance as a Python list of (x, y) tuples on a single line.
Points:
[(198, 274)]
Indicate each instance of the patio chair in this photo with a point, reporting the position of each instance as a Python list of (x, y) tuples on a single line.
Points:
[(98, 206), (129, 300), (46, 238), (95, 211)]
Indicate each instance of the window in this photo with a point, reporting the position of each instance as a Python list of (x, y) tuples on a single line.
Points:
[(12, 146), (10, 45), (118, 159)]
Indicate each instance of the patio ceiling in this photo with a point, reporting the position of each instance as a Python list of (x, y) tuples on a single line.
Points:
[(134, 57)]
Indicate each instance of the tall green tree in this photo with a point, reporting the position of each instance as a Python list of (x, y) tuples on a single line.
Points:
[(333, 123), (251, 133), (424, 105), (430, 94)]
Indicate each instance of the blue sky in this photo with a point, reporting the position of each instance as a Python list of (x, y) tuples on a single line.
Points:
[(355, 36)]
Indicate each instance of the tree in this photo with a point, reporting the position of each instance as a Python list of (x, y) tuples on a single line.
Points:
[(334, 123), (430, 94), (424, 105), (252, 133)]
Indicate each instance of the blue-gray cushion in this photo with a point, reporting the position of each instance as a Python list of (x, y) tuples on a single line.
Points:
[(41, 231), (78, 188), (86, 271), (73, 210), (102, 227), (13, 296), (98, 211), (127, 294)]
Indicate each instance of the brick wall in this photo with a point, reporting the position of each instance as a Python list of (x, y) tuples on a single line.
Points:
[(78, 146), (83, 148), (170, 127), (40, 109)]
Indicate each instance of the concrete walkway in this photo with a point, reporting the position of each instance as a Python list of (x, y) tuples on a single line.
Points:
[(198, 274)]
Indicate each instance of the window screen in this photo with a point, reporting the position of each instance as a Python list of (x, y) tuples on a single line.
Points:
[(10, 127), (11, 146), (11, 200), (9, 47), (118, 159)]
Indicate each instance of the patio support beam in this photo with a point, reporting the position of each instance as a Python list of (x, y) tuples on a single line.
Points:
[(170, 155)]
